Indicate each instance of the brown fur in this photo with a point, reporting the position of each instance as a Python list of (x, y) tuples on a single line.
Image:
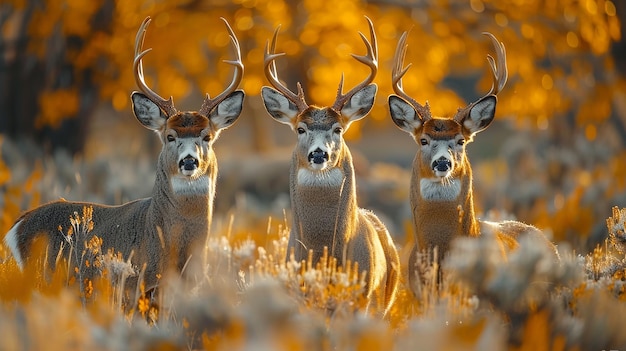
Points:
[(438, 221), (322, 184), (441, 183), (161, 231), (325, 212)]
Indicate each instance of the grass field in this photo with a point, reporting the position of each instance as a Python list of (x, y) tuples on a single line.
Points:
[(246, 296)]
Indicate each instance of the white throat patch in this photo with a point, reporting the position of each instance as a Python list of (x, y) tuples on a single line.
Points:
[(331, 178), (191, 186), (440, 189)]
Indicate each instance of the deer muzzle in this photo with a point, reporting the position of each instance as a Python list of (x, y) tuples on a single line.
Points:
[(188, 165), (442, 166), (318, 156)]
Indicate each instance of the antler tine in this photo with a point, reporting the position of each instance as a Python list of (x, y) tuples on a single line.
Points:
[(398, 72), (166, 105), (272, 50), (208, 104), (499, 71), (271, 73), (499, 75), (370, 60)]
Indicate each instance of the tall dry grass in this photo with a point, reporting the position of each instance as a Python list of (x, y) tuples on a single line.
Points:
[(246, 296)]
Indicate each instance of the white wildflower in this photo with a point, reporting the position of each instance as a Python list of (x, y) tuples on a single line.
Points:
[(311, 276), (341, 279), (117, 267), (245, 251)]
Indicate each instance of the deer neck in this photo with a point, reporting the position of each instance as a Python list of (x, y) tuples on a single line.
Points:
[(180, 211), (324, 205), (190, 199), (443, 210)]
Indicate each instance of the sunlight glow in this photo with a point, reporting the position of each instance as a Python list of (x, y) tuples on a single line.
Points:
[(609, 8), (244, 22), (572, 39), (528, 31), (477, 6), (309, 37), (542, 122), (546, 81), (591, 6), (120, 100), (591, 132), (501, 19)]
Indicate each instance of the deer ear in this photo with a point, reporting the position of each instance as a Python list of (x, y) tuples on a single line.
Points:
[(227, 111), (147, 112), (278, 106), (360, 104), (481, 114), (403, 114)]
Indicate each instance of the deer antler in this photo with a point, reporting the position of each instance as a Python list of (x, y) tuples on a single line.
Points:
[(499, 74), (396, 78), (499, 70), (166, 105), (272, 74), (371, 60), (208, 104)]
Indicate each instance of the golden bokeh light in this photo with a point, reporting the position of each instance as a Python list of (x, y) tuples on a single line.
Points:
[(528, 31), (477, 6), (244, 20), (501, 19), (591, 132), (309, 37), (591, 6), (319, 37), (254, 83), (572, 39), (547, 82), (609, 8), (120, 100)]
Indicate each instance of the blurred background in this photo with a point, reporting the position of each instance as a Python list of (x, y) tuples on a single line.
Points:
[(554, 156)]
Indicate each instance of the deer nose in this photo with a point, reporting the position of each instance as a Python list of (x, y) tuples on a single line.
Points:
[(442, 164), (189, 163), (318, 156)]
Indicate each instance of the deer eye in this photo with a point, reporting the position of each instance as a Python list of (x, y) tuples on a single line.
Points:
[(423, 141), (170, 138), (301, 130), (338, 130), (461, 142), (207, 138)]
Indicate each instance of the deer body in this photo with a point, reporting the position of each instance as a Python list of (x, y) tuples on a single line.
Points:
[(450, 202), (322, 182), (441, 193), (159, 231), (326, 214)]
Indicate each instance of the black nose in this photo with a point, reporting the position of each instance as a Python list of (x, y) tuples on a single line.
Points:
[(318, 156), (189, 163), (442, 164)]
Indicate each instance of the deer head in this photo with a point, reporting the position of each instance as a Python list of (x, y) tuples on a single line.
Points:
[(441, 141), (320, 129), (187, 137)]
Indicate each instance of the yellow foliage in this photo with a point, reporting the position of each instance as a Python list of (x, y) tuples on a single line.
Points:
[(318, 37), (57, 105), (537, 332), (562, 221), (81, 12), (5, 172)]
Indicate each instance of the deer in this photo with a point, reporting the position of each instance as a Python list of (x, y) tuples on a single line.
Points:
[(322, 186), (441, 193), (162, 230)]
